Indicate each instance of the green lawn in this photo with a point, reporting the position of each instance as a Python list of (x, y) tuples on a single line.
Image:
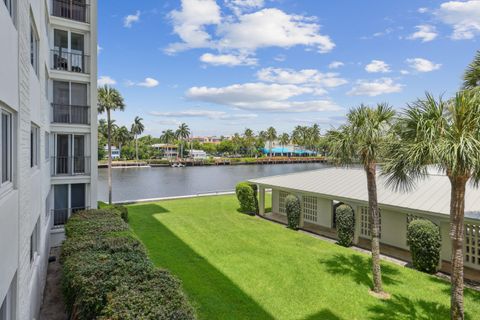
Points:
[(235, 266)]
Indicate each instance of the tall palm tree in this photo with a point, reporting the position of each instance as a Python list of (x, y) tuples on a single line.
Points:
[(182, 133), (364, 138), (314, 133), (167, 137), (444, 134), (249, 137), (471, 78), (102, 128), (284, 139), (271, 136), (121, 136), (137, 129), (236, 142), (109, 99)]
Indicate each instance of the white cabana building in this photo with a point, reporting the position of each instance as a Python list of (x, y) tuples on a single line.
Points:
[(321, 191)]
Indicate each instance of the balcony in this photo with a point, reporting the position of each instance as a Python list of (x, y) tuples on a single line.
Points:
[(70, 61), (60, 216), (70, 166), (76, 10), (65, 113)]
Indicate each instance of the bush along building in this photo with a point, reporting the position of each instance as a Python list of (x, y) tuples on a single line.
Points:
[(48, 137), (322, 192)]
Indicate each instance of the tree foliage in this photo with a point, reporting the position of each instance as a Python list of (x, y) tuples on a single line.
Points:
[(345, 224), (424, 239), (294, 210)]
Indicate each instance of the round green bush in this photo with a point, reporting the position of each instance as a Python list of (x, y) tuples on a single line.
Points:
[(423, 237), (246, 196), (345, 224), (294, 210)]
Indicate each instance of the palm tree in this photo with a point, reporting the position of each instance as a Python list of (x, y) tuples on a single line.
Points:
[(249, 140), (284, 139), (444, 134), (102, 128), (314, 133), (364, 139), (236, 142), (167, 137), (109, 99), (271, 136), (137, 129), (182, 133), (121, 136), (471, 78)]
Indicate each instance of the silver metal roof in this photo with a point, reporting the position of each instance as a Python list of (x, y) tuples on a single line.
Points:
[(429, 195)]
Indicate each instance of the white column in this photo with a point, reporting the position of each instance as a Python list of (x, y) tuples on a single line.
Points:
[(261, 201)]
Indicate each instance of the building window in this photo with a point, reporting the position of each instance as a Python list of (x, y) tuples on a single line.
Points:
[(47, 145), (34, 45), (365, 222), (11, 6), (281, 202), (472, 244), (34, 142), (6, 146), (34, 242), (310, 208)]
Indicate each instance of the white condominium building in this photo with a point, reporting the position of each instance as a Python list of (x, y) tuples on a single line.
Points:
[(48, 137)]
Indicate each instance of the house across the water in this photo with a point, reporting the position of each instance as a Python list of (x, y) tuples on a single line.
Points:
[(321, 191)]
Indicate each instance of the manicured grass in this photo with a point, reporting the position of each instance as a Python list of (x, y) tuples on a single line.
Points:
[(235, 266)]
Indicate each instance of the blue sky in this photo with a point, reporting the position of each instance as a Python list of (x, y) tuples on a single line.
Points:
[(222, 66)]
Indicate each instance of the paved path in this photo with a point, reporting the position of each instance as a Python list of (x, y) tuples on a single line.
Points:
[(53, 307)]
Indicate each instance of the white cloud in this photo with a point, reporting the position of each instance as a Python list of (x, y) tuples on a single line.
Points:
[(377, 66), (227, 60), (240, 6), (280, 58), (210, 114), (374, 88), (425, 32), (404, 72), (305, 76), (422, 10), (261, 96), (148, 83), (336, 64), (99, 49), (129, 20), (106, 80), (189, 24), (463, 16), (422, 65), (240, 34)]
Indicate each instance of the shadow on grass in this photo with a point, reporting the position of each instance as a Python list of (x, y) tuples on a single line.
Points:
[(358, 268), (324, 314), (212, 293), (401, 307)]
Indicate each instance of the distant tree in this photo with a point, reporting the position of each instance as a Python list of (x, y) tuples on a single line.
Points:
[(121, 136), (136, 130), (182, 133), (271, 136), (284, 140), (109, 99), (249, 138), (364, 138), (167, 137), (444, 134)]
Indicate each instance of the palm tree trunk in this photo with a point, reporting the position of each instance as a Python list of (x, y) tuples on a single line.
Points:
[(374, 226), (457, 210), (109, 146), (136, 147)]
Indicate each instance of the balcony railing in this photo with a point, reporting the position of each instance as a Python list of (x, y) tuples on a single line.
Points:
[(70, 166), (70, 61), (66, 113), (60, 216), (71, 9)]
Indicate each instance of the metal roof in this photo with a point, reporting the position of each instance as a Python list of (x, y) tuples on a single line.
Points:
[(429, 195)]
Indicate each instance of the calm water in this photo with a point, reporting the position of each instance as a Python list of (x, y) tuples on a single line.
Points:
[(144, 183)]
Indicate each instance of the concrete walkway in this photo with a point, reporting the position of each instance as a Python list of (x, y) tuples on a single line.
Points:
[(53, 307)]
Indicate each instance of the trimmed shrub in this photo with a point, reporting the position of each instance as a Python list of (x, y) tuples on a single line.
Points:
[(246, 197), (345, 224), (105, 265), (294, 210), (122, 211), (423, 237)]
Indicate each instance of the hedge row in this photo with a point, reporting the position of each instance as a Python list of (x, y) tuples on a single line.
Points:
[(107, 274)]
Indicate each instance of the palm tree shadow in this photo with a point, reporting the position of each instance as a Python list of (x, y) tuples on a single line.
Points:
[(324, 314), (401, 307), (358, 268)]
